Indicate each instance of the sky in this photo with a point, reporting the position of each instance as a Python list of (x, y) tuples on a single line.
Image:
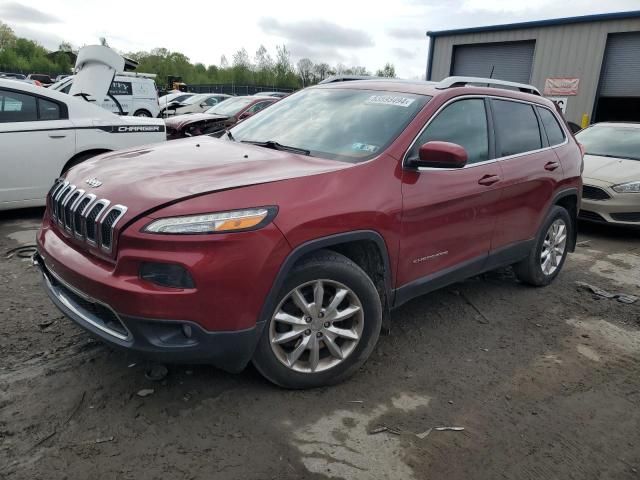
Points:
[(368, 33)]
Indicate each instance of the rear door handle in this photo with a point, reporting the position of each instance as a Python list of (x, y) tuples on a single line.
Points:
[(551, 166), (57, 135), (489, 180)]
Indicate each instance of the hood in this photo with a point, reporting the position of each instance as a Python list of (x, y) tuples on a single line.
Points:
[(180, 121), (611, 170), (96, 66), (144, 178)]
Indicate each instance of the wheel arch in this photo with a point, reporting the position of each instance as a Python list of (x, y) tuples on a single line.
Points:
[(569, 199), (359, 246), (85, 154)]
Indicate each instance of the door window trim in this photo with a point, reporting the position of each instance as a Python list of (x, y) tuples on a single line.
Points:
[(491, 132), (64, 111)]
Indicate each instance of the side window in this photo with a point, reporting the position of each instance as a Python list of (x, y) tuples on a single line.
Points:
[(551, 126), (463, 122), (48, 110), (17, 107), (516, 127), (211, 101), (120, 88), (259, 106)]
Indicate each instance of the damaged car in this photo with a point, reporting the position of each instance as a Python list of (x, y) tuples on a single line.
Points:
[(216, 119), (194, 104)]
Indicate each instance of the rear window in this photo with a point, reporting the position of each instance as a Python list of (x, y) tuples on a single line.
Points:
[(516, 126), (551, 126), (17, 107)]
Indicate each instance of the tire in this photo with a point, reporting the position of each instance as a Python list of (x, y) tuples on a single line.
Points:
[(142, 113), (356, 313), (531, 269)]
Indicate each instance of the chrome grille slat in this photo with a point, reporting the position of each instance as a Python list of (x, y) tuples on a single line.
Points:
[(83, 215)]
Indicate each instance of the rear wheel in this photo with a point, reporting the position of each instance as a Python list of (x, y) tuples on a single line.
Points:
[(324, 327), (550, 251), (142, 113)]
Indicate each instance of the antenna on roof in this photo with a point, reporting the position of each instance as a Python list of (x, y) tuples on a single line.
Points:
[(493, 67)]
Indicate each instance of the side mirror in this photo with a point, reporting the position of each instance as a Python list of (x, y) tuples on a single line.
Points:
[(441, 155)]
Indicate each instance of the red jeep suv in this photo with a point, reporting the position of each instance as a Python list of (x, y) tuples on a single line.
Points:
[(288, 240)]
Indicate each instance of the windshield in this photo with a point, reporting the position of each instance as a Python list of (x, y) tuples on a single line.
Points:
[(231, 106), (195, 99), (611, 140), (340, 124)]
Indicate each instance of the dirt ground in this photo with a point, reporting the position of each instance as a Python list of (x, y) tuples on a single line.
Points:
[(545, 383)]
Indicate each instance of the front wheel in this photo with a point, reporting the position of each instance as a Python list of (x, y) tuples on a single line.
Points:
[(550, 251), (142, 113), (325, 325)]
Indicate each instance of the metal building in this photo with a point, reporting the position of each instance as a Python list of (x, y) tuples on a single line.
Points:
[(589, 65)]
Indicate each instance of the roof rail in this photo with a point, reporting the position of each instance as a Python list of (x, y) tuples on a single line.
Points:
[(347, 78), (491, 82)]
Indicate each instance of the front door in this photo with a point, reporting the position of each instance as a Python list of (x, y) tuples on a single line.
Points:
[(449, 215)]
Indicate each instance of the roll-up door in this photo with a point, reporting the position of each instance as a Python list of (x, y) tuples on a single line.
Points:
[(510, 61)]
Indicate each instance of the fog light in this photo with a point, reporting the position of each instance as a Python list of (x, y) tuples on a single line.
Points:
[(186, 329), (166, 275)]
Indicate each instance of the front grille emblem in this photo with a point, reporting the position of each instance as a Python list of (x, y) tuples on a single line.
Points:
[(93, 182)]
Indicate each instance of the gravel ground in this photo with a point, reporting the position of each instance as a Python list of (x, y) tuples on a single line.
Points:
[(545, 383)]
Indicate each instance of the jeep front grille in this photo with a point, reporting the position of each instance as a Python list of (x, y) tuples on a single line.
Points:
[(83, 215)]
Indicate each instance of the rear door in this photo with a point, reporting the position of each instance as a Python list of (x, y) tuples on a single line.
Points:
[(530, 167), (37, 139), (449, 215)]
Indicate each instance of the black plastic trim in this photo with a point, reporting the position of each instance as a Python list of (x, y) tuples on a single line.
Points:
[(499, 258), (318, 244)]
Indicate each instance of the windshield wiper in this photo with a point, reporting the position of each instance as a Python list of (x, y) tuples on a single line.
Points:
[(278, 146), (230, 135)]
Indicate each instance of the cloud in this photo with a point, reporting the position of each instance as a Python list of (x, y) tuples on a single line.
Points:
[(316, 54), (19, 13), (406, 33), (46, 39), (404, 53), (316, 32)]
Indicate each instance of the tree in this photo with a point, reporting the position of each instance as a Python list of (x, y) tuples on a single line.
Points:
[(7, 37), (241, 59), (263, 60), (321, 71), (388, 71), (65, 47), (305, 70)]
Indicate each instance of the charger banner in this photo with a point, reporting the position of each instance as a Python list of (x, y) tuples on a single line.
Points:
[(561, 86)]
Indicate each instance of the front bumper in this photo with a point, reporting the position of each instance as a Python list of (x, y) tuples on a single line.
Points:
[(171, 341), (619, 208)]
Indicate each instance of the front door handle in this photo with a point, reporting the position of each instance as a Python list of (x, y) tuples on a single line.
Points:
[(489, 180), (57, 135), (551, 166)]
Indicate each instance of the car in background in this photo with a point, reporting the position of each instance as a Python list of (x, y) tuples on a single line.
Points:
[(194, 104), (62, 77), (44, 79), (13, 76), (45, 132), (174, 96), (218, 118), (611, 191), (273, 94), (130, 93)]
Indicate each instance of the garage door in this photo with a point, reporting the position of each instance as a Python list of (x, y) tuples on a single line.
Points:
[(621, 68), (508, 61)]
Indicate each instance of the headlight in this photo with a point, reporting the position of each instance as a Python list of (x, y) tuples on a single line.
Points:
[(234, 221), (630, 187)]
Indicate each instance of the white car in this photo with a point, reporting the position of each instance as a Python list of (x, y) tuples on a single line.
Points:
[(130, 93), (44, 132)]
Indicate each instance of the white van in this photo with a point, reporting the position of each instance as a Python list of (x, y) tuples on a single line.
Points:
[(130, 93)]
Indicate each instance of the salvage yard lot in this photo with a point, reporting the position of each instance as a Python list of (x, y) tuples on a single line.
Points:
[(545, 382)]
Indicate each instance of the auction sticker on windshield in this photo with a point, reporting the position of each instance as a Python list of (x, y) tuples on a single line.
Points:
[(389, 100)]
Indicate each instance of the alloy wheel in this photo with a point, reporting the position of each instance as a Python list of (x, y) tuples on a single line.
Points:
[(316, 326), (554, 246)]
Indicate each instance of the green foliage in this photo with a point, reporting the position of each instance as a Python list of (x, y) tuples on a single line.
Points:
[(388, 71), (22, 55)]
